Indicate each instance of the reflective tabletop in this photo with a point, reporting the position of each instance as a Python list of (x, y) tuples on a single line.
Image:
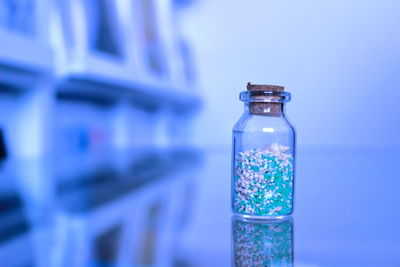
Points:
[(172, 208)]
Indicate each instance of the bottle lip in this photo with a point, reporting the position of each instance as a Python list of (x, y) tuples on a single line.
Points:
[(265, 96)]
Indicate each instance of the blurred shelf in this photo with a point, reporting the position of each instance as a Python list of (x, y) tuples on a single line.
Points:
[(108, 73), (97, 64), (24, 52), (16, 78), (107, 54), (23, 60), (92, 86)]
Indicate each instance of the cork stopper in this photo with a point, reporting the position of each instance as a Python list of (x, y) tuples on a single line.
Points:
[(264, 87), (265, 108)]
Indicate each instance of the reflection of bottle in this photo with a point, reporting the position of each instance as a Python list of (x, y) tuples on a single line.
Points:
[(262, 244)]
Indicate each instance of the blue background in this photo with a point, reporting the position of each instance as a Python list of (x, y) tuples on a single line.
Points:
[(155, 160), (339, 59)]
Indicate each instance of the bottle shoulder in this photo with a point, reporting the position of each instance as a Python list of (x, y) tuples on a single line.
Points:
[(248, 122)]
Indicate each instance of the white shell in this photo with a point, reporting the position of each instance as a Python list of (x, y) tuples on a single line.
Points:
[(277, 148)]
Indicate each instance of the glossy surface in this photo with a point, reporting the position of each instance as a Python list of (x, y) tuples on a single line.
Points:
[(172, 208)]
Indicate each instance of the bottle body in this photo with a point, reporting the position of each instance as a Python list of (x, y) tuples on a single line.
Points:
[(263, 166)]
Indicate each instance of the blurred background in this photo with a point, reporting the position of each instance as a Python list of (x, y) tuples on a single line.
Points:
[(339, 59), (116, 120)]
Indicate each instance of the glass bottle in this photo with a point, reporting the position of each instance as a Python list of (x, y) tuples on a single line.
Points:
[(263, 160)]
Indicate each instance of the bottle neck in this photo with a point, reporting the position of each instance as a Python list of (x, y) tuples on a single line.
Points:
[(265, 109)]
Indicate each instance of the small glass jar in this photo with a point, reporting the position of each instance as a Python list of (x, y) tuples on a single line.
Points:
[(263, 162)]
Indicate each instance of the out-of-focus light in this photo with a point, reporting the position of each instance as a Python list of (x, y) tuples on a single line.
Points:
[(268, 130)]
